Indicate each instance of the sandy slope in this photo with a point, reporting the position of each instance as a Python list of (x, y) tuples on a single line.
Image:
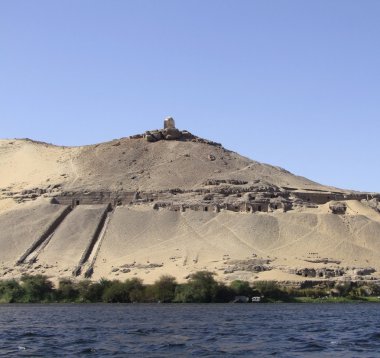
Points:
[(23, 225), (70, 240), (131, 164), (146, 243), (25, 164), (190, 241)]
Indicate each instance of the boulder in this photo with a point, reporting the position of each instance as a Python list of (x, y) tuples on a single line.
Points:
[(374, 204), (150, 138), (171, 133), (338, 207), (364, 271), (157, 135), (187, 135)]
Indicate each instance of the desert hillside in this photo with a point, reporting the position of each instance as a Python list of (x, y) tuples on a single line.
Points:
[(131, 164), (168, 202)]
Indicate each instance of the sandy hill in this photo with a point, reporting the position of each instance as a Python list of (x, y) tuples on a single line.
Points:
[(170, 202), (132, 164)]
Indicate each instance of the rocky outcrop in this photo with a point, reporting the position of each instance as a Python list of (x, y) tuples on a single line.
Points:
[(176, 134), (165, 134), (327, 273), (372, 203), (324, 261), (338, 208), (213, 194), (363, 271), (318, 272), (253, 265), (30, 194), (225, 181)]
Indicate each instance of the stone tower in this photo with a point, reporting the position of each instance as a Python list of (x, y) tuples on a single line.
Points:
[(169, 123)]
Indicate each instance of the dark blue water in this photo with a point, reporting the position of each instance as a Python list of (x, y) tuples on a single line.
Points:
[(145, 330)]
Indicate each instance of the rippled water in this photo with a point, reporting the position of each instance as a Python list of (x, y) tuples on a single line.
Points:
[(213, 330)]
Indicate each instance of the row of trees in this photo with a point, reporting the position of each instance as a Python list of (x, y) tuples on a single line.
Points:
[(201, 287)]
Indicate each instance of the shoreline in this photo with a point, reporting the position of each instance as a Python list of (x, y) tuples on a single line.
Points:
[(201, 287)]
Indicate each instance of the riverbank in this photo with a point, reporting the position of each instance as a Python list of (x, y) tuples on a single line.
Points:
[(201, 287)]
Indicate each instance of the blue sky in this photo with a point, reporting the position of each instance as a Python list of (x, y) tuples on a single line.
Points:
[(292, 83)]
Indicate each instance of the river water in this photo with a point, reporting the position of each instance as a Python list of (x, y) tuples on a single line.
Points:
[(190, 330)]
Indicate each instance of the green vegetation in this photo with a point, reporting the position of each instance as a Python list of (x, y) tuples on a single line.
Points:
[(201, 287)]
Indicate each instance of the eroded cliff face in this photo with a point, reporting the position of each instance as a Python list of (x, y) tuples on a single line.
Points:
[(168, 202)]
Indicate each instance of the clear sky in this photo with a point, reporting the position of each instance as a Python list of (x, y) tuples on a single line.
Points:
[(293, 83)]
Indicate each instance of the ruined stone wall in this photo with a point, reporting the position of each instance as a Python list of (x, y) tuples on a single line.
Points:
[(324, 197), (93, 198), (317, 198)]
